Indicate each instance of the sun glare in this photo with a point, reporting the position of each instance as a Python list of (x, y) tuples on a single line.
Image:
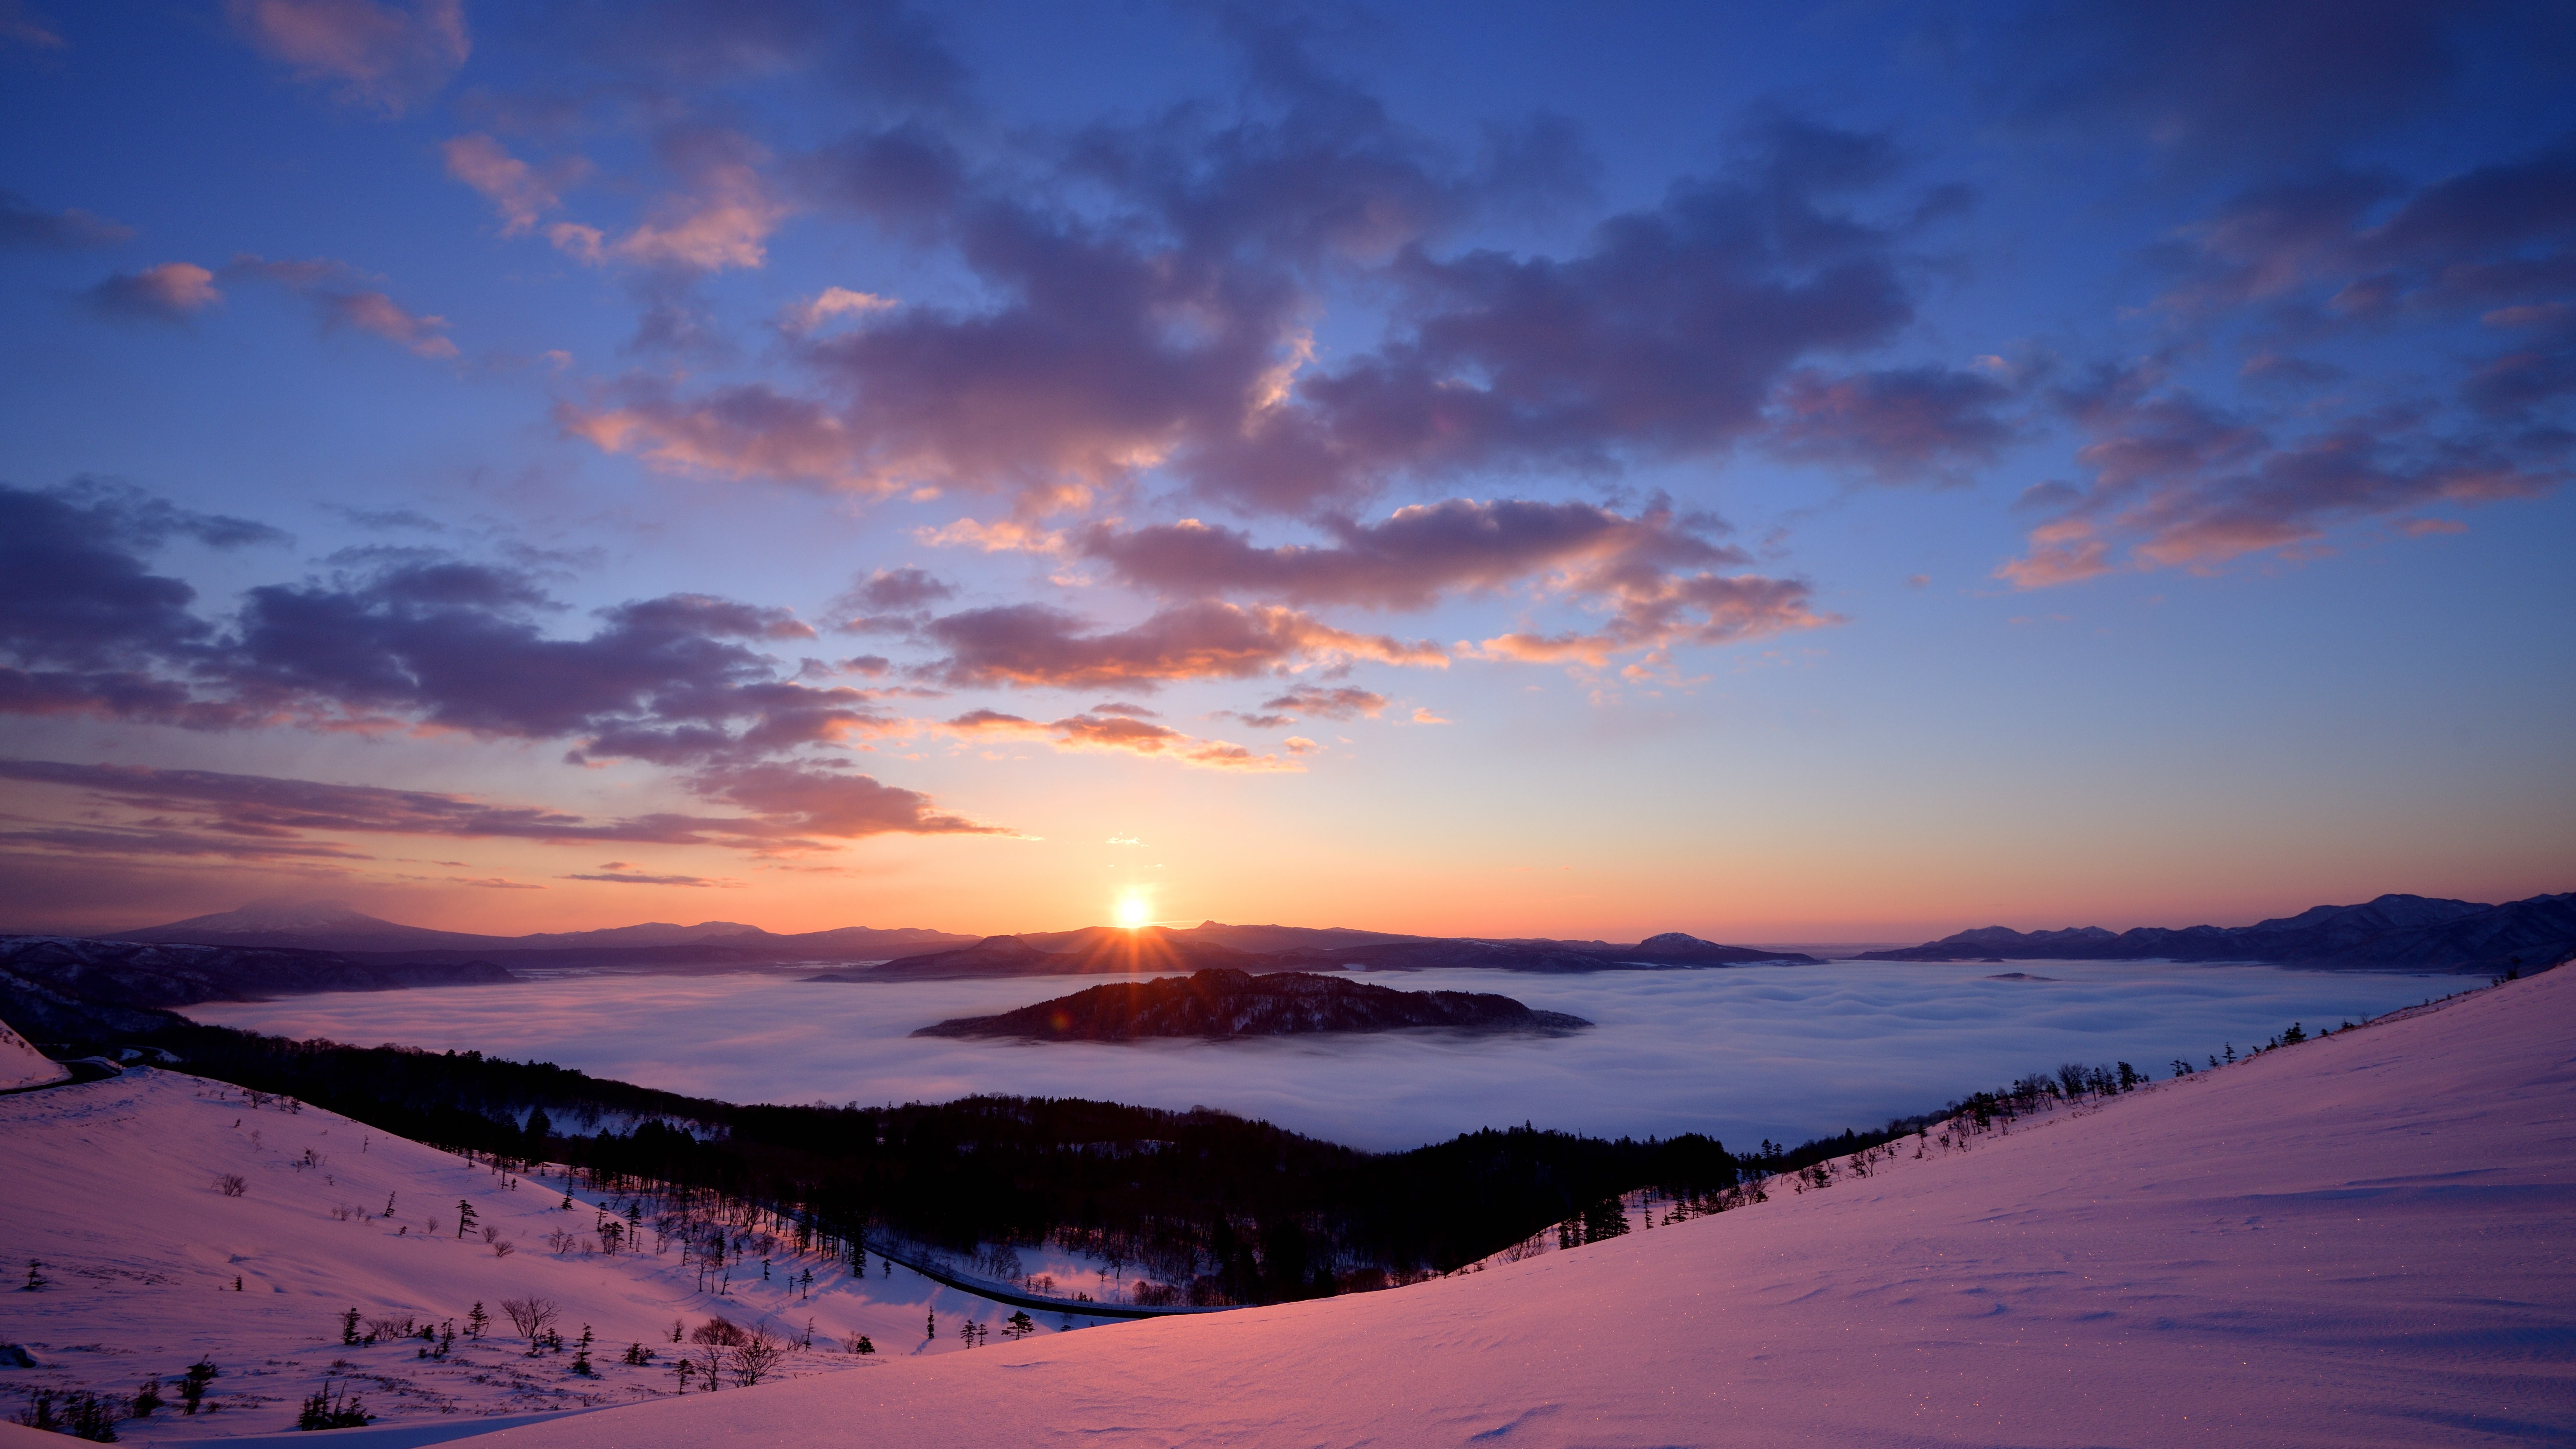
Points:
[(1132, 911)]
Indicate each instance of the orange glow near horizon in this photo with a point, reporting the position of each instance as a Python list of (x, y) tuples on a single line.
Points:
[(1133, 910)]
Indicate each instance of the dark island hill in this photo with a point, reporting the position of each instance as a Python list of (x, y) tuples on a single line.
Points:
[(1222, 1003)]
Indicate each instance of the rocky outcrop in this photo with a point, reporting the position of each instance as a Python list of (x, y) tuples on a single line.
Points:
[(1225, 1003)]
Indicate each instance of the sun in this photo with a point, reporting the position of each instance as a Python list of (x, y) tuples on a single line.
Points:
[(1132, 911)]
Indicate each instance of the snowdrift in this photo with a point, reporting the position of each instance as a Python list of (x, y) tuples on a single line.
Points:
[(2362, 1240)]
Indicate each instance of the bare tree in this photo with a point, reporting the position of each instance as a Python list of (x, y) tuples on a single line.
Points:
[(503, 1247), (531, 1316), (720, 1331), (231, 1184), (757, 1356)]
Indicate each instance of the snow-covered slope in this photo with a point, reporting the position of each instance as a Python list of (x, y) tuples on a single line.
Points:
[(22, 1065), (2369, 1239), (115, 1188)]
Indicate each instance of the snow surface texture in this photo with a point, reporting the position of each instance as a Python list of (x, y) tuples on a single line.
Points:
[(1744, 1053), (22, 1065), (113, 1187), (2365, 1240)]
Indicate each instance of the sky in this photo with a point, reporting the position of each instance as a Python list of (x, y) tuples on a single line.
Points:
[(1846, 472)]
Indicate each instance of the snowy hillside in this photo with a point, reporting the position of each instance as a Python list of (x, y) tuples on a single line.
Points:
[(116, 1189), (2368, 1239), (22, 1065)]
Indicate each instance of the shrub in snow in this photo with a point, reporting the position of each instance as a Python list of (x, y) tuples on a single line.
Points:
[(81, 1415), (326, 1410), (231, 1184)]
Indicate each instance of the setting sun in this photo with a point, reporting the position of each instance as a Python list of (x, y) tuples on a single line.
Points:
[(1132, 911)]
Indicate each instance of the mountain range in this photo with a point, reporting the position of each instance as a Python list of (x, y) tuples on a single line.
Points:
[(2391, 932), (329, 925), (1104, 949), (914, 952)]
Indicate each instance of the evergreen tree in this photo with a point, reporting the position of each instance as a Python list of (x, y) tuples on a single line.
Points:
[(477, 1321), (193, 1385), (36, 1282), (148, 1398), (349, 1327), (464, 1218)]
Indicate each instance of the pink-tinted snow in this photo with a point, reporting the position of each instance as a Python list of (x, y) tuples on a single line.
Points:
[(22, 1065), (2369, 1239)]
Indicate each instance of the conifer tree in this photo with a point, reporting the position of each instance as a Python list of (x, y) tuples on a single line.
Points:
[(192, 1386), (476, 1321), (464, 1218)]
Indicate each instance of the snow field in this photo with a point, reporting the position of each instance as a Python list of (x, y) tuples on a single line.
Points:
[(2364, 1240), (113, 1187)]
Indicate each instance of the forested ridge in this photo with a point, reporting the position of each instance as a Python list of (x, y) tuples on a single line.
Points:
[(1234, 1210)]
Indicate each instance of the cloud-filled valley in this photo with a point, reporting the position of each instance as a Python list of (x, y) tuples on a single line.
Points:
[(1741, 1054)]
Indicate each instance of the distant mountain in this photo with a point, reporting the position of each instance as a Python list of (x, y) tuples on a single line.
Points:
[(1097, 950), (329, 925), (311, 925), (2392, 932), (50, 983), (1221, 1003), (917, 953)]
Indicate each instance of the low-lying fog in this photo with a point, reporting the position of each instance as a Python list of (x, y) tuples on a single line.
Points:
[(1780, 1052)]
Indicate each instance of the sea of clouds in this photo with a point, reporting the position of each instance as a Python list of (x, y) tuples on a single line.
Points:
[(1781, 1052)]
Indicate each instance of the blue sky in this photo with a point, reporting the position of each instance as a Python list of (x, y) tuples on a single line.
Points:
[(1842, 475)]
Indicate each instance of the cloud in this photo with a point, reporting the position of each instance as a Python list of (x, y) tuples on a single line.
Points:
[(336, 293), (24, 227), (657, 880), (1410, 559), (2220, 84), (73, 591), (1339, 702), (721, 219), (803, 317), (23, 24), (416, 639), (1740, 1054), (170, 292), (1900, 425), (1656, 614), (377, 313), (1032, 644), (1426, 717), (885, 53), (1661, 338), (1119, 733), (903, 588), (388, 57), (789, 808), (2180, 482), (804, 800), (520, 193)]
